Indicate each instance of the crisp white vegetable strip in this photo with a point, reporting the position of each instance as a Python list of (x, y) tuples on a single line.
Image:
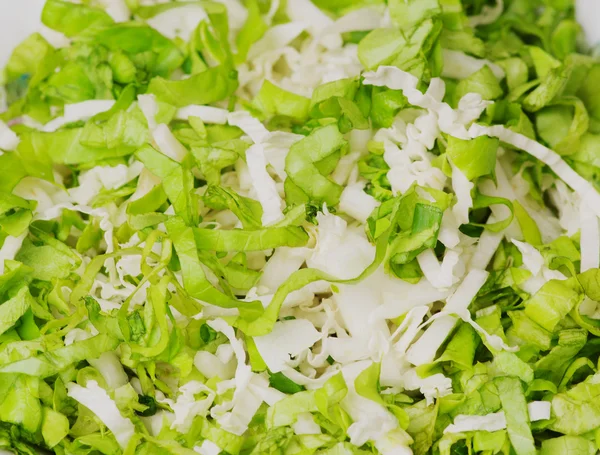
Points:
[(208, 448), (168, 143), (458, 65), (117, 9), (432, 269), (95, 398), (8, 138), (462, 188), (10, 248), (78, 111), (306, 11), (264, 185), (208, 114), (580, 185), (356, 203), (179, 22), (424, 350), (538, 410), (287, 339), (262, 182), (249, 125), (532, 258), (590, 238), (149, 107)]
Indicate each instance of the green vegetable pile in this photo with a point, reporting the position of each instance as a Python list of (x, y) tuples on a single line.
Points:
[(329, 227)]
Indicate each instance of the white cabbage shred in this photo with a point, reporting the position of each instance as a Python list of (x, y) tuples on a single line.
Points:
[(8, 138), (95, 398), (538, 410)]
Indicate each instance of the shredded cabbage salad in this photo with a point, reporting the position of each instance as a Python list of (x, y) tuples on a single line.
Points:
[(335, 227)]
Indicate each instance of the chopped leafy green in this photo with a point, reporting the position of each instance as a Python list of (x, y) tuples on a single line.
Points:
[(303, 227)]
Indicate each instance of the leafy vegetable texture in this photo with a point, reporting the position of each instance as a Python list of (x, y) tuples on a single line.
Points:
[(302, 227)]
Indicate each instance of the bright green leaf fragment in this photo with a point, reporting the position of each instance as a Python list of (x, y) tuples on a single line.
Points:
[(136, 270), (71, 19), (568, 445), (209, 86), (12, 310), (26, 56), (273, 100), (177, 181), (406, 14), (576, 411), (482, 82), (548, 306), (21, 405), (380, 47), (366, 383), (475, 158), (514, 405), (306, 169), (55, 426), (255, 240)]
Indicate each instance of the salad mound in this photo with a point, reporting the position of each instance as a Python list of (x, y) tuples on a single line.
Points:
[(329, 227)]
